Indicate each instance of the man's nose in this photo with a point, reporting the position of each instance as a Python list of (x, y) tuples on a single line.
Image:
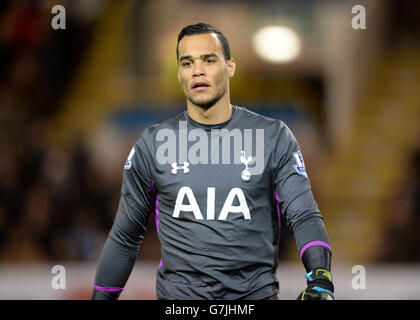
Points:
[(198, 70)]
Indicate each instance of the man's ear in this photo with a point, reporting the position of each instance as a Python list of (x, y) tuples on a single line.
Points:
[(231, 67)]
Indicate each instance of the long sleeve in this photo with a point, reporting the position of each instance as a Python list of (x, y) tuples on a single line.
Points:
[(126, 235), (297, 202)]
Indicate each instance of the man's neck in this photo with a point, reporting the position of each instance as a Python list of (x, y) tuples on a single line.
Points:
[(218, 113)]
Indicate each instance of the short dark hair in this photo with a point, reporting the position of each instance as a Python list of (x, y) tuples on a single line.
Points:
[(201, 28)]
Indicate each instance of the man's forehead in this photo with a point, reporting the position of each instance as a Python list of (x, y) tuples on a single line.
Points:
[(199, 44)]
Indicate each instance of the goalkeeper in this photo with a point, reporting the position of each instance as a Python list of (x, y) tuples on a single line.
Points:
[(216, 178)]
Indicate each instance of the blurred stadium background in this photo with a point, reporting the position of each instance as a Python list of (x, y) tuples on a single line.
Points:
[(74, 101)]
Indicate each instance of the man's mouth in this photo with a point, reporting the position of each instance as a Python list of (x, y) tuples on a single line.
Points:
[(200, 85)]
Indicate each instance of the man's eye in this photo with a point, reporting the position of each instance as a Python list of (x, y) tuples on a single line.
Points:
[(186, 63), (210, 61)]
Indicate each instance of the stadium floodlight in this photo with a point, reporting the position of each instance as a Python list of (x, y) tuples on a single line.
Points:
[(277, 44)]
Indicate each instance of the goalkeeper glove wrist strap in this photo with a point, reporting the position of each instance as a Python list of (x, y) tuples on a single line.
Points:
[(320, 280)]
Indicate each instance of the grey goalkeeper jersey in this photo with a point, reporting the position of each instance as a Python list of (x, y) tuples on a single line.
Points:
[(216, 193)]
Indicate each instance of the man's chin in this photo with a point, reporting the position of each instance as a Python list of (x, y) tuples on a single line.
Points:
[(205, 104)]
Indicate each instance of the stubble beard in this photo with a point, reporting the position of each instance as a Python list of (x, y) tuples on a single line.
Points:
[(209, 103)]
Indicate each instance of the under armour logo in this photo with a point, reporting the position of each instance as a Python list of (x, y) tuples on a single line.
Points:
[(246, 174), (175, 167)]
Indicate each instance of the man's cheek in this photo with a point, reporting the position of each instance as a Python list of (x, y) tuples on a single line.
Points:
[(184, 85)]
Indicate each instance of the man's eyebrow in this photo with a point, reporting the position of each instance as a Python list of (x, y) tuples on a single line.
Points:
[(209, 55), (185, 57), (203, 56)]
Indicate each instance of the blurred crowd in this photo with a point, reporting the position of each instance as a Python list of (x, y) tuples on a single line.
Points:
[(51, 206)]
